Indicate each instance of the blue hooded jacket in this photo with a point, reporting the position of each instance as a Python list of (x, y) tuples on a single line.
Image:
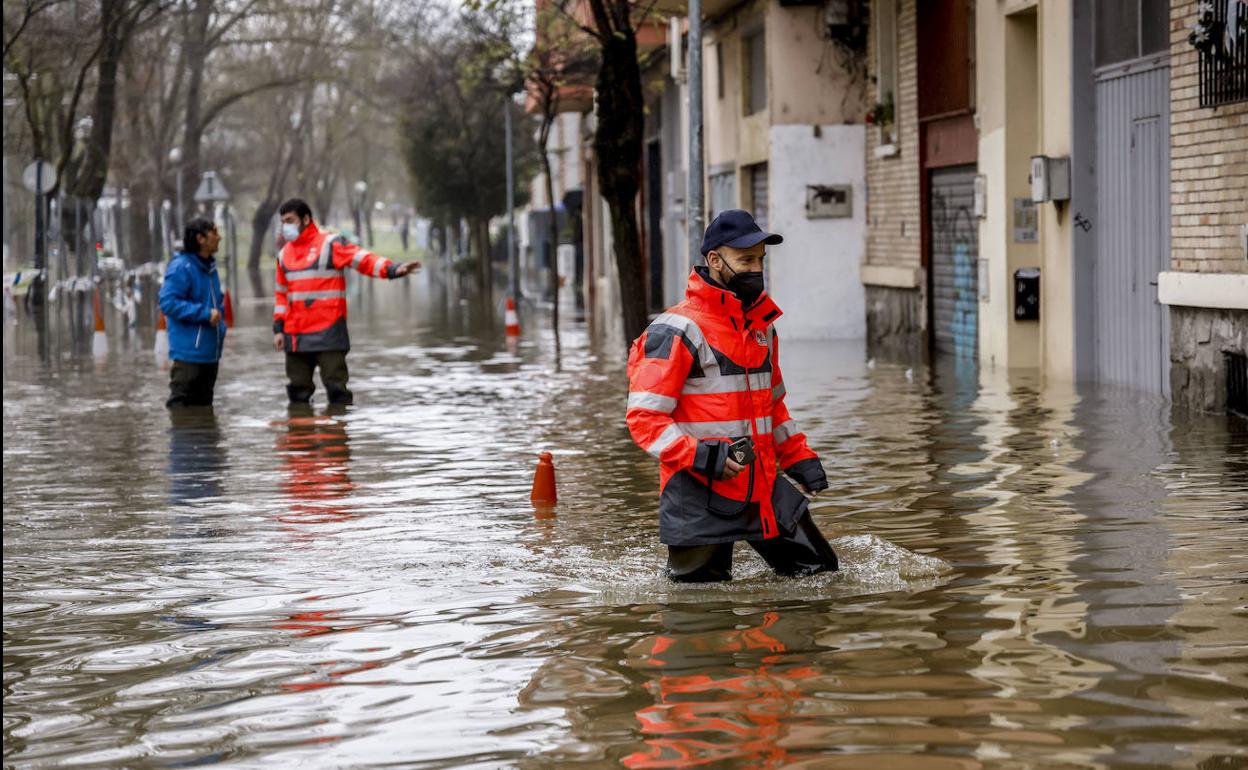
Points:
[(191, 290)]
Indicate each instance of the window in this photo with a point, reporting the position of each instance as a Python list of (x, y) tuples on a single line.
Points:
[(723, 191), (755, 72), (1220, 37), (758, 193), (1130, 29), (884, 113), (885, 50)]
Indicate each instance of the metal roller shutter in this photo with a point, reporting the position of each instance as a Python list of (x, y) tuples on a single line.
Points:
[(955, 261)]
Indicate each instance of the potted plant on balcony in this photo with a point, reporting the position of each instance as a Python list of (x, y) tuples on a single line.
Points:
[(881, 115)]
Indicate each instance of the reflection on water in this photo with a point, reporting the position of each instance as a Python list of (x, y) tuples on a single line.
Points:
[(724, 689), (316, 467), (197, 463), (1034, 576)]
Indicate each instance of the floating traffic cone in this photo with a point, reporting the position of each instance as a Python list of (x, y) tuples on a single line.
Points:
[(544, 481), (99, 341), (229, 311), (511, 320), (162, 340)]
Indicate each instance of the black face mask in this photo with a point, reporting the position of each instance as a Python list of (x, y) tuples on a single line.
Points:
[(746, 286)]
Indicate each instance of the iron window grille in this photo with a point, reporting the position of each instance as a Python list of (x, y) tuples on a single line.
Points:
[(1220, 36)]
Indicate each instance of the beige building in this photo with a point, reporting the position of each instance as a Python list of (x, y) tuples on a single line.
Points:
[(1114, 193), (784, 99), (1024, 97)]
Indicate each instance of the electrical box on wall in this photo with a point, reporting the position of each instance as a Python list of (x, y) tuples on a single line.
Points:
[(1027, 294), (1050, 179), (829, 201)]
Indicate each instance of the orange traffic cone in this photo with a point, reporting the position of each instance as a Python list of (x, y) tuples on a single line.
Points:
[(99, 340), (228, 312), (544, 481), (511, 320), (162, 339)]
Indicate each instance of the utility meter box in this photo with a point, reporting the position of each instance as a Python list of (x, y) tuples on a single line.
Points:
[(1050, 179), (1027, 294), (829, 201)]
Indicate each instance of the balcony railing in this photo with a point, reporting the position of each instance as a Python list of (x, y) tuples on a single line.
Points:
[(1221, 38)]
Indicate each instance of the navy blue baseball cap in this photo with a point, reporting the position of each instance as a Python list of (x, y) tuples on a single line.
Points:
[(736, 228)]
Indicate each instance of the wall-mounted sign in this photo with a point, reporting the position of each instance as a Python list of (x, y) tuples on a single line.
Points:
[(1024, 221)]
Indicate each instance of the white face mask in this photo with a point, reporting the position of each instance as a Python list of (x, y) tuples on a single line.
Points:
[(290, 231)]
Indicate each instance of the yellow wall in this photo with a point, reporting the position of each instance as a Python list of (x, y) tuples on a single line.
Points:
[(1022, 140), (722, 116), (1018, 112), (1057, 299), (806, 84)]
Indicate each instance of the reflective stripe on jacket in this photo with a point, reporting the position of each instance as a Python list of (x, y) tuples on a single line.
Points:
[(705, 372), (310, 303)]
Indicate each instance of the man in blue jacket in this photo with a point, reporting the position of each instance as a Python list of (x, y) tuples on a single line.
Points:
[(192, 302)]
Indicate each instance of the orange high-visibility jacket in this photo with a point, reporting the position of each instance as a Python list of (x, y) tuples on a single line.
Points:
[(310, 307), (703, 374)]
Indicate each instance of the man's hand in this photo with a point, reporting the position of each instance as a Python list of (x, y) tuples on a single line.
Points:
[(731, 469), (403, 270), (214, 317), (279, 341)]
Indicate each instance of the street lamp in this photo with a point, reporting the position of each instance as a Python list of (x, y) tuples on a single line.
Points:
[(507, 79), (361, 188), (175, 157)]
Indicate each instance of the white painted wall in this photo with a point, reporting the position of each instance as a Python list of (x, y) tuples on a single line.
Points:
[(813, 275)]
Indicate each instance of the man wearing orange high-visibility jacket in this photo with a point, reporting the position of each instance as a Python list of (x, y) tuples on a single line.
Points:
[(310, 307), (704, 380)]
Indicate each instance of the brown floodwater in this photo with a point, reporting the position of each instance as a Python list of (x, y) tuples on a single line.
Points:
[(1035, 576)]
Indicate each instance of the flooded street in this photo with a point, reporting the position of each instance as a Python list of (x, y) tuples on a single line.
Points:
[(1033, 576)]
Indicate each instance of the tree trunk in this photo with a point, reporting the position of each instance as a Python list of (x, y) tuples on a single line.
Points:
[(617, 151), (259, 229), (485, 268), (93, 172), (140, 232), (196, 42)]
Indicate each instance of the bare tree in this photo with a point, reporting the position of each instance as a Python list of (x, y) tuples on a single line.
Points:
[(453, 142)]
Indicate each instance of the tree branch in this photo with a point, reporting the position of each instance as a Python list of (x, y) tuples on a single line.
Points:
[(211, 113)]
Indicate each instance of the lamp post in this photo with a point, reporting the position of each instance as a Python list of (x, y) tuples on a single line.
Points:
[(695, 206), (361, 189), (175, 157), (513, 258)]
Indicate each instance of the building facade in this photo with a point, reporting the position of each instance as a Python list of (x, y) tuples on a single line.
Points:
[(1205, 287), (921, 270), (783, 98)]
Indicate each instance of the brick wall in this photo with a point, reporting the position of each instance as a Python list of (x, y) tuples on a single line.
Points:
[(1208, 164), (893, 223)]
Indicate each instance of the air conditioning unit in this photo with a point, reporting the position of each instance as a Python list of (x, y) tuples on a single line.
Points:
[(676, 47)]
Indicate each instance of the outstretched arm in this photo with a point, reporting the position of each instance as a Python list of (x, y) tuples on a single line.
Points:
[(367, 263)]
